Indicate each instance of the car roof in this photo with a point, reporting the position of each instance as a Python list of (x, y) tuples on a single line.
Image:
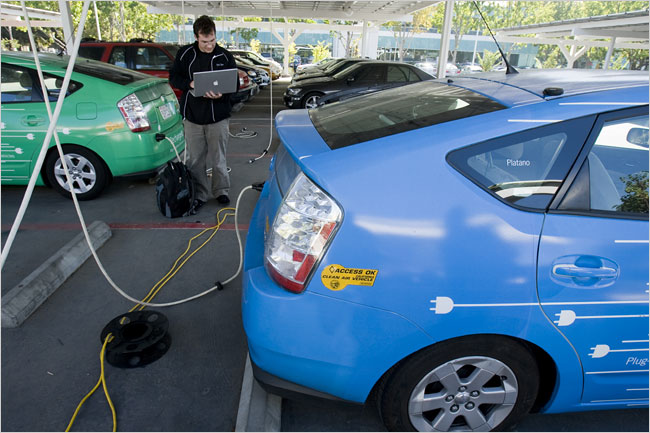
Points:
[(530, 85)]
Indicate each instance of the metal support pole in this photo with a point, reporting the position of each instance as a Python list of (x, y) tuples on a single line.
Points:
[(99, 32), (66, 23), (364, 37), (444, 39), (610, 51), (475, 43)]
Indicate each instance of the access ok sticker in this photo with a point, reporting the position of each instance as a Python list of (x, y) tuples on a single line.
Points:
[(337, 277)]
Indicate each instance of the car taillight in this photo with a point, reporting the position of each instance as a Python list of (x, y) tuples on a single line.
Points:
[(133, 112), (303, 225)]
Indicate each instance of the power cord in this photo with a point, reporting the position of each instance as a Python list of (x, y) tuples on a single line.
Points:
[(141, 305)]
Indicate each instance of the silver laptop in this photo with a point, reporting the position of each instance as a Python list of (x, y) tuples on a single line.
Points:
[(221, 81)]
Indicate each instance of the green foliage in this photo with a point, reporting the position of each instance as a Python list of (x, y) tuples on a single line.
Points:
[(292, 49), (488, 60), (10, 45), (320, 51), (636, 197), (255, 45)]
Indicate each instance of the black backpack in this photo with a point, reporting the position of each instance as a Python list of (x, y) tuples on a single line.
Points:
[(175, 190)]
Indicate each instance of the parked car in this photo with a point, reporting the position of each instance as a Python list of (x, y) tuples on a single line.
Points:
[(139, 55), (432, 68), (361, 75), (328, 70), (273, 68), (107, 125), (151, 58), (246, 91), (257, 74), (457, 252), (310, 66)]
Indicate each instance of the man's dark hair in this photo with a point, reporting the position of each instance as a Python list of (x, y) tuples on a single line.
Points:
[(204, 25)]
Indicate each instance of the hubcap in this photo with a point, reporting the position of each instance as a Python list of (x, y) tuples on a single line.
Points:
[(82, 173), (467, 394), (312, 102)]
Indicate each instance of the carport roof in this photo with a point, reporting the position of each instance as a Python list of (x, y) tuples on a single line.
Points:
[(385, 10), (628, 29)]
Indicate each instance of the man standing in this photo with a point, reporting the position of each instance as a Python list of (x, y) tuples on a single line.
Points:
[(205, 117)]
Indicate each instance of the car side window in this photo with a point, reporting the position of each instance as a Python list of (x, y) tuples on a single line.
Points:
[(525, 169), (16, 85), (395, 74), (152, 58), (53, 85), (413, 77), (118, 56), (614, 177), (370, 74)]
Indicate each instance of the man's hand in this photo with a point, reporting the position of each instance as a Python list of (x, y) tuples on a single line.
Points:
[(211, 95)]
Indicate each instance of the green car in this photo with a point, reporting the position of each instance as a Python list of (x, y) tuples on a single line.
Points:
[(107, 127)]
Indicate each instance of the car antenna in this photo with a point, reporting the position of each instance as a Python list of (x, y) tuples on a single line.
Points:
[(509, 68)]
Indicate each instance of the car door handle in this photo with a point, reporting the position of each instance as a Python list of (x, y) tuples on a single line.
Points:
[(32, 120), (572, 271), (584, 271)]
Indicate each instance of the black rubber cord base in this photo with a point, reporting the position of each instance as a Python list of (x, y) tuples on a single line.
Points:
[(139, 338)]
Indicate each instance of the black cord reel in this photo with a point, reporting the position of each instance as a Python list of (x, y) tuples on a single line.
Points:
[(139, 338)]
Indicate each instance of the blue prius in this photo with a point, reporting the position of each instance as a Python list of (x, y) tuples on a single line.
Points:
[(464, 251)]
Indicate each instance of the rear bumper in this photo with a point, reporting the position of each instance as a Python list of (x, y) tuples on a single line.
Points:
[(313, 343)]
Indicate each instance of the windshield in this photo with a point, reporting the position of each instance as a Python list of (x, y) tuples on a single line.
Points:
[(396, 110)]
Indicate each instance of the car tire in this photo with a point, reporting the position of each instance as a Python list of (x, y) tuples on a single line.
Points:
[(311, 100), (471, 383), (89, 173)]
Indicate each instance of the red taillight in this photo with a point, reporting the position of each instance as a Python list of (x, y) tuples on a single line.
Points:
[(133, 112), (303, 226)]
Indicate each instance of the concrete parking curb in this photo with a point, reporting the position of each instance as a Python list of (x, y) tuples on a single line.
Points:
[(258, 410), (22, 300)]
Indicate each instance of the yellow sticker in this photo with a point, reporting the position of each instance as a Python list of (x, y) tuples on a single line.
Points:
[(337, 277), (110, 126)]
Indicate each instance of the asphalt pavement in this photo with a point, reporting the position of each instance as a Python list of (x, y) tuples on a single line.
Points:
[(51, 361)]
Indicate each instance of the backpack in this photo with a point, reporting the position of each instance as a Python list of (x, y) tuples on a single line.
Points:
[(175, 190)]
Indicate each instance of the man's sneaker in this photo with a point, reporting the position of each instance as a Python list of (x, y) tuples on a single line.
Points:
[(223, 199), (198, 204)]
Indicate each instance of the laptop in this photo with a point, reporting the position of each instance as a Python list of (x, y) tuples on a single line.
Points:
[(222, 81)]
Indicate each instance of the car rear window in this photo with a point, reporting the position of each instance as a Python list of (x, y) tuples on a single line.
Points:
[(91, 52), (396, 110), (108, 72)]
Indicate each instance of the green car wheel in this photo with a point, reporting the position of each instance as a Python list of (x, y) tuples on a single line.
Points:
[(88, 172)]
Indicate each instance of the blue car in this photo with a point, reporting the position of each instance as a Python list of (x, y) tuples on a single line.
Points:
[(464, 251)]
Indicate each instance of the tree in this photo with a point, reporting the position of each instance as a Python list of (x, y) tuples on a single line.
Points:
[(255, 45), (489, 59), (465, 18), (320, 51), (404, 32), (636, 197)]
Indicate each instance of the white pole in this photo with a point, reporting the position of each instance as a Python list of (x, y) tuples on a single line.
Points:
[(99, 32), (610, 51), (48, 137), (444, 39), (475, 43)]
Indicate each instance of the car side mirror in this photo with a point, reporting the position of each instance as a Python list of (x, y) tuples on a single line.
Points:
[(638, 136)]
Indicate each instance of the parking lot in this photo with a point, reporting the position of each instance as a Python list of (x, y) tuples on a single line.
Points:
[(52, 360)]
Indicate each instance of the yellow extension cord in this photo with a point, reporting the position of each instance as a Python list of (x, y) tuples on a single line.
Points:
[(152, 293)]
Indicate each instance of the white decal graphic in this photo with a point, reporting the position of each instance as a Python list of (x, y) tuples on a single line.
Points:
[(568, 317), (66, 131), (444, 305), (18, 150), (2, 125), (30, 136), (602, 350)]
